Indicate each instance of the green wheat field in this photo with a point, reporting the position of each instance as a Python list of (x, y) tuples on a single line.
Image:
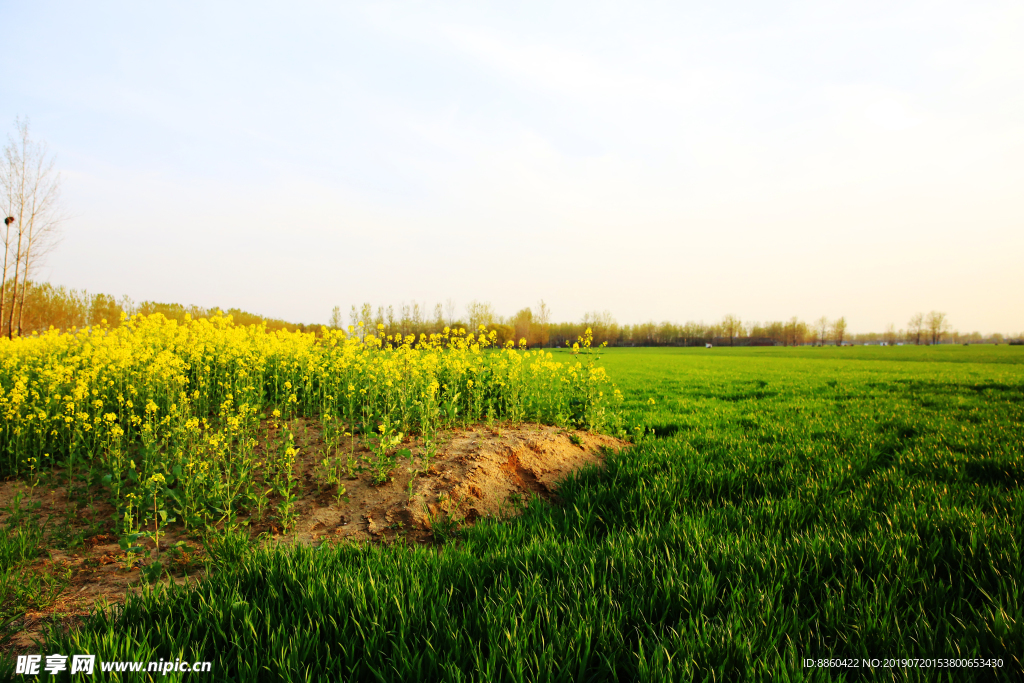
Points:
[(778, 505)]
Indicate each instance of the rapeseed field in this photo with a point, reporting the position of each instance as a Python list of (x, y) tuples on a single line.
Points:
[(156, 410)]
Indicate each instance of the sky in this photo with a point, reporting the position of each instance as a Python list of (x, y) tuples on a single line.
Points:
[(658, 160)]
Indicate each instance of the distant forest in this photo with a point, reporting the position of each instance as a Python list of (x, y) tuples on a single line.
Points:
[(64, 309)]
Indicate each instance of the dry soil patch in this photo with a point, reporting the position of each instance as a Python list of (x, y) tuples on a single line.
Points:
[(476, 473)]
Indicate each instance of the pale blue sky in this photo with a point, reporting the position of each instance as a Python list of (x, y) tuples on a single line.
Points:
[(659, 160)]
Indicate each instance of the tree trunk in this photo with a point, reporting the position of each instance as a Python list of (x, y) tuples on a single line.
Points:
[(3, 279), (24, 285), (17, 253), (14, 291)]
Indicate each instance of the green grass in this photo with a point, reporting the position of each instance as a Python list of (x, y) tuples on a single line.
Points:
[(781, 504), (21, 542)]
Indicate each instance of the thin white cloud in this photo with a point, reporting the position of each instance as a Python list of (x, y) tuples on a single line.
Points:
[(575, 73)]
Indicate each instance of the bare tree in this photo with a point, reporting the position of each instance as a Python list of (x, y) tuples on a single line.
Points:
[(30, 188), (449, 313), (821, 330), (731, 327), (418, 314), (336, 320), (540, 324), (915, 327), (839, 330), (937, 326), (404, 318), (602, 325), (363, 320), (521, 323), (543, 314), (795, 331), (479, 313)]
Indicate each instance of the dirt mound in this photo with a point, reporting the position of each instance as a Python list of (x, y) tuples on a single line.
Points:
[(478, 472)]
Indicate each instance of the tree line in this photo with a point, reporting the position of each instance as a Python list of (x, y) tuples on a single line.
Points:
[(43, 305), (536, 327), (933, 328), (530, 324)]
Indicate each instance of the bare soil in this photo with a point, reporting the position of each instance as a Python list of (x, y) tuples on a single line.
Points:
[(477, 472)]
